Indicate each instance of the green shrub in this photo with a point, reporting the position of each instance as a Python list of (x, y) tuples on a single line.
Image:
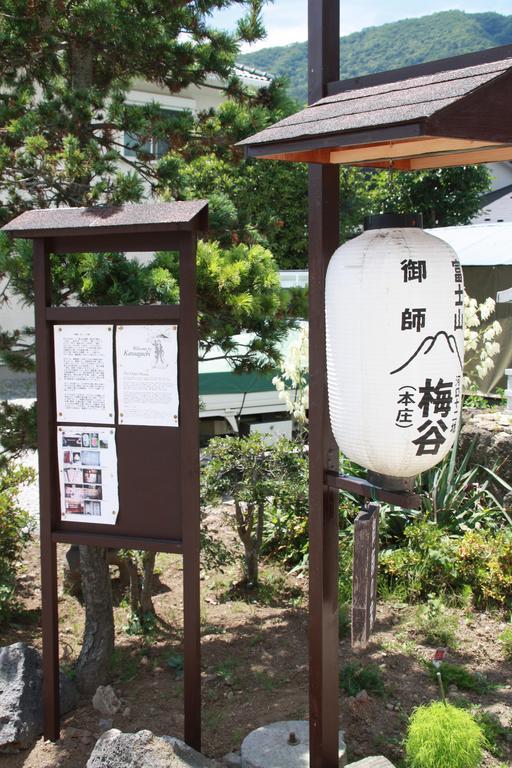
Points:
[(442, 736), (434, 561), (484, 562), (251, 470), (286, 536), (435, 624), (14, 532), (506, 640), (425, 564), (355, 677)]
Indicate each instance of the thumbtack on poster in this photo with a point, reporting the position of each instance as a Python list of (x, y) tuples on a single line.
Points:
[(88, 474), (147, 375), (84, 373)]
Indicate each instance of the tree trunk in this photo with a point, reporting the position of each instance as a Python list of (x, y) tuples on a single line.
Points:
[(134, 585), (251, 563), (93, 664), (148, 564)]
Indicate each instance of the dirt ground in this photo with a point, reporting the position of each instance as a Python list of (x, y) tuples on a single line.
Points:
[(254, 667)]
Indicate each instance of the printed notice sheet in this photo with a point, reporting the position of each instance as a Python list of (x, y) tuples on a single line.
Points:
[(147, 375), (84, 373), (88, 474)]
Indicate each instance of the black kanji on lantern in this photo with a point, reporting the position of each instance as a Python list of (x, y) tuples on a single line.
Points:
[(405, 412), (458, 271), (414, 270), (458, 320), (414, 319), (405, 398), (404, 418), (439, 397), (460, 296), (431, 437)]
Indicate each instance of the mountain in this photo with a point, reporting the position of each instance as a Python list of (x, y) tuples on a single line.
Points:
[(389, 46)]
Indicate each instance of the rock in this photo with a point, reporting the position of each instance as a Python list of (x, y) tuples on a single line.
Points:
[(232, 760), (105, 724), (144, 750), (372, 762), (105, 701), (127, 712), (491, 433), (362, 695), (21, 691), (273, 745)]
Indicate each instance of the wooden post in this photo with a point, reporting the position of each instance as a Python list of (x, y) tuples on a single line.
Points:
[(323, 455), (46, 443), (189, 407), (364, 579)]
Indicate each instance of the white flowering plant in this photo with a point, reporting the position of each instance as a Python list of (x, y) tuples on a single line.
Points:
[(480, 345), (292, 383)]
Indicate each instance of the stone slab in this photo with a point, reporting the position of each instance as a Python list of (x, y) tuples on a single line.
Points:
[(269, 747), (372, 762)]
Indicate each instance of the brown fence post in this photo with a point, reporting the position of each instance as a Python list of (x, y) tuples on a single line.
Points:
[(323, 501)]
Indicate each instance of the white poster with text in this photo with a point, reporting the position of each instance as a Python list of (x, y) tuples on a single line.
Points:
[(147, 375), (84, 373), (88, 474)]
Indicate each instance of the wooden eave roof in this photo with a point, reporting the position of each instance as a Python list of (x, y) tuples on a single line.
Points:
[(414, 118), (129, 219)]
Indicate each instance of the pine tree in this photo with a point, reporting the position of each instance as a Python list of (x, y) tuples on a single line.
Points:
[(65, 70)]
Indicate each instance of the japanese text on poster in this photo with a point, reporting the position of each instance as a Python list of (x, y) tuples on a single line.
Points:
[(84, 373), (88, 474)]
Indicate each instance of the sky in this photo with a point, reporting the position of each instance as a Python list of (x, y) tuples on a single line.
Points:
[(286, 20)]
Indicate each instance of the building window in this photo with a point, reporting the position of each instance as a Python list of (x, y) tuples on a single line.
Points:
[(133, 144)]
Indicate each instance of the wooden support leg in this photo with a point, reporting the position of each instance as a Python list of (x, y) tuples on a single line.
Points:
[(51, 714)]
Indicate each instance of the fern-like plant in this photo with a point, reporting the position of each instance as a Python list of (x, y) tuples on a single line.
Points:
[(443, 736)]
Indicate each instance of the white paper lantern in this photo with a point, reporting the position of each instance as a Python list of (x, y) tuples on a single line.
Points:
[(395, 346)]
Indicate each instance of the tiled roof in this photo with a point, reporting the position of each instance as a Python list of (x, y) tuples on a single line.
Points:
[(414, 99)]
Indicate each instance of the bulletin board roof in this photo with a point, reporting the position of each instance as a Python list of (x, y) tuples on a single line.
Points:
[(110, 220), (413, 118)]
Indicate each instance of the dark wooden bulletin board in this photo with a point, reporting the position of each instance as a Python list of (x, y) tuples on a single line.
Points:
[(158, 467)]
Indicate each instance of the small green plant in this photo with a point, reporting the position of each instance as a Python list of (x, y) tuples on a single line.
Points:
[(493, 731), (443, 736), (228, 671), (436, 624), (175, 662), (455, 495), (505, 639), (144, 625), (453, 674), (355, 677)]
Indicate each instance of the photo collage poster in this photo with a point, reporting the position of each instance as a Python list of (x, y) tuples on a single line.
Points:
[(88, 474)]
